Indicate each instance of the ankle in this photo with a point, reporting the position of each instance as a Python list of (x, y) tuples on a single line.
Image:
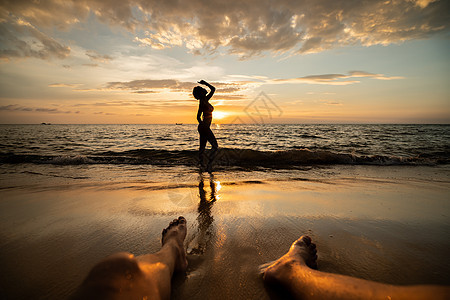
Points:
[(283, 269)]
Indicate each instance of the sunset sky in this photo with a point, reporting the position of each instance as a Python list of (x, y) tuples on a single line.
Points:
[(322, 61)]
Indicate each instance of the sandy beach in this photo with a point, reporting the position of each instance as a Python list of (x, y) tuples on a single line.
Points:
[(388, 224)]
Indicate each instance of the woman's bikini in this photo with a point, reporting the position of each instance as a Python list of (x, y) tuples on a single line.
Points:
[(207, 109)]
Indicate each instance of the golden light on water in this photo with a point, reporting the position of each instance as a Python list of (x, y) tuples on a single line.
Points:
[(218, 186)]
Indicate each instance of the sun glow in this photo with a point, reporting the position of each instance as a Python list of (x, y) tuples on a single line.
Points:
[(219, 114)]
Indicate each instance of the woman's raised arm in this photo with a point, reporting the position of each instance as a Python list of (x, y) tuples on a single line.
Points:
[(213, 89)]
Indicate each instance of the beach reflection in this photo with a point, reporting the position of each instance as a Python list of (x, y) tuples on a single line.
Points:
[(205, 219)]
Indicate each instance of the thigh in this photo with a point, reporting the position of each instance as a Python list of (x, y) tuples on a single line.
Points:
[(203, 136), (211, 138)]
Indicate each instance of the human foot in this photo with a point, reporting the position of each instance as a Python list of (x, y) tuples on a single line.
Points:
[(174, 236), (302, 253)]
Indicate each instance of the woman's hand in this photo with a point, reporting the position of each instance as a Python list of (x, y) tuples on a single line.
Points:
[(210, 86)]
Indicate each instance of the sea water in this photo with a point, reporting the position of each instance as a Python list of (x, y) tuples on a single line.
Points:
[(274, 145)]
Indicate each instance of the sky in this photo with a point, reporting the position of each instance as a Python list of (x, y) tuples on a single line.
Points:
[(136, 61)]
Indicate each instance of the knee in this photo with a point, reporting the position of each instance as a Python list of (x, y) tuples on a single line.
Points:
[(116, 273), (116, 267)]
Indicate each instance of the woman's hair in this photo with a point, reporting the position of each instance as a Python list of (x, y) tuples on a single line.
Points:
[(198, 92)]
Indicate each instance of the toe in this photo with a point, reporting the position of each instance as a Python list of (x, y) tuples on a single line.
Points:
[(173, 223), (181, 220), (306, 239)]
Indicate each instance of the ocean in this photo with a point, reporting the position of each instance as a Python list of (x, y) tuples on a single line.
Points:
[(374, 198), (268, 145)]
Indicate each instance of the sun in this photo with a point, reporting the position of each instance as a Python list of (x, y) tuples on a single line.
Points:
[(219, 114)]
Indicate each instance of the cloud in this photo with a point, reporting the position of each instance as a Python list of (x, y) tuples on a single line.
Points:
[(49, 110), (334, 79), (144, 86), (95, 56), (15, 107), (105, 113), (157, 105), (245, 28), (332, 103), (144, 92), (69, 85), (228, 90), (371, 75), (19, 38), (90, 65)]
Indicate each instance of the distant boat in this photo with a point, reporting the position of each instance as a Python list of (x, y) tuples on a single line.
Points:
[(43, 123), (178, 123)]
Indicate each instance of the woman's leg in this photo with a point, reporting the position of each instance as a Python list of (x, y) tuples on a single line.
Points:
[(211, 139), (123, 276), (295, 272), (214, 146), (203, 139)]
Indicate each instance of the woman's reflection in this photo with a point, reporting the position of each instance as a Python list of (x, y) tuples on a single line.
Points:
[(205, 219)]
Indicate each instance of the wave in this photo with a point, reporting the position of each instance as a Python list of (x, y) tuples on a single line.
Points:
[(224, 157)]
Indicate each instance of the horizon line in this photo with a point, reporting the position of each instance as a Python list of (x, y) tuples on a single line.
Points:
[(180, 124)]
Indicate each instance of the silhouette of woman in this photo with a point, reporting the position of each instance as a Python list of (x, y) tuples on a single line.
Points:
[(205, 109)]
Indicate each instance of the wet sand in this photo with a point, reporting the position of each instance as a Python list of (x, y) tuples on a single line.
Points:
[(389, 224)]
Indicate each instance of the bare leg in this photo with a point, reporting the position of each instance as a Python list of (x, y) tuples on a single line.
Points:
[(295, 272), (203, 140), (123, 276), (214, 146)]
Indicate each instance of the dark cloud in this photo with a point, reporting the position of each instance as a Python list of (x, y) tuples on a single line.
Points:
[(93, 55), (144, 92), (145, 86), (19, 38), (90, 65), (104, 113), (332, 103), (15, 107), (245, 28), (49, 110)]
